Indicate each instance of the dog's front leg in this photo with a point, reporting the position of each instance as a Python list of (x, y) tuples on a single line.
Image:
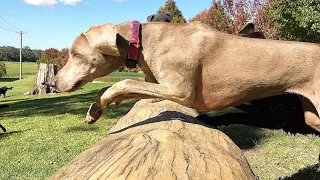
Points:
[(131, 89)]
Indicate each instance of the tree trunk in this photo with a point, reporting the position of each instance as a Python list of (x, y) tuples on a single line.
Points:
[(160, 140), (45, 75)]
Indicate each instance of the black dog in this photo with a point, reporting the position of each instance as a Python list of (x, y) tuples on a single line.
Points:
[(3, 129), (3, 106), (4, 89), (165, 17)]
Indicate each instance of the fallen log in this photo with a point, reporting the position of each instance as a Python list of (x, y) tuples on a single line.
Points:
[(160, 140)]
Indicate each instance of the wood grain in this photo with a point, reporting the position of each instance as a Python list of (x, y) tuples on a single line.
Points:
[(160, 140)]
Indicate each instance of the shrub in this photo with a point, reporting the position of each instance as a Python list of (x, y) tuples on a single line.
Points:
[(44, 59), (232, 15), (3, 69), (297, 20)]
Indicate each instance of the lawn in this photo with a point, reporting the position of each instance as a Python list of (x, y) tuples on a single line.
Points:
[(47, 131), (13, 69)]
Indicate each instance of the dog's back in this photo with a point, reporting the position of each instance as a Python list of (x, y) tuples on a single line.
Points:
[(225, 58)]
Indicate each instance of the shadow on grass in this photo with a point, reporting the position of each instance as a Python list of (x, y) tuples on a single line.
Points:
[(8, 79), (10, 100), (279, 112), (77, 104), (7, 134), (310, 173), (81, 128), (246, 137)]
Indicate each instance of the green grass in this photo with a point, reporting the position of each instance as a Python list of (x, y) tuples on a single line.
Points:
[(13, 69), (274, 154), (119, 76), (47, 131)]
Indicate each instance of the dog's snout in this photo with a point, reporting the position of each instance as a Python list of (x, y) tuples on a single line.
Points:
[(52, 85), (53, 82)]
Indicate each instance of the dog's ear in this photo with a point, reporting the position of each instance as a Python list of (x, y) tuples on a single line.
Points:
[(249, 28), (103, 37), (170, 15), (149, 18)]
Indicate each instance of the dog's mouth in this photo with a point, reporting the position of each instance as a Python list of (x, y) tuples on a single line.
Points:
[(77, 85)]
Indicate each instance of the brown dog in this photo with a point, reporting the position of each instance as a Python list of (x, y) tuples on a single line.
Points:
[(275, 112), (194, 65)]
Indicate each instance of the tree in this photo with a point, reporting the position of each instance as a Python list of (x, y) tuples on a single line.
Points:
[(54, 56), (9, 53), (297, 20), (218, 18), (51, 53), (62, 58), (170, 6), (3, 69), (44, 59), (232, 15)]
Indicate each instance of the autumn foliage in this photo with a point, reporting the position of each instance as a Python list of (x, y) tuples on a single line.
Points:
[(54, 56), (232, 15)]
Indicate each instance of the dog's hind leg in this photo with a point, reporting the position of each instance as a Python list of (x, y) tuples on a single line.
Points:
[(311, 112)]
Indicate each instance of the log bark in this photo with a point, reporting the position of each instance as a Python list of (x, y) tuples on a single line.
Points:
[(45, 75), (160, 140)]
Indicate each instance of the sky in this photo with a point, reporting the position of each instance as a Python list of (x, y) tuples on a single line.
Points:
[(56, 23)]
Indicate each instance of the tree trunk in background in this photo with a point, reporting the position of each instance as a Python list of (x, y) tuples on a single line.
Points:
[(160, 140), (45, 75)]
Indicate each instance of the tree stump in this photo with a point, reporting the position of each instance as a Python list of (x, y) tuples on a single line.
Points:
[(45, 75), (160, 140)]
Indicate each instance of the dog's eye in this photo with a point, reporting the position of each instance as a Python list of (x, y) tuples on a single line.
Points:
[(75, 54)]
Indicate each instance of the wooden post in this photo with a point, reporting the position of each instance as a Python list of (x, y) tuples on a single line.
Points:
[(160, 140), (21, 54)]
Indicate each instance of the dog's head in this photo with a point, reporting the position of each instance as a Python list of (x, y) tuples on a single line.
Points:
[(93, 54), (249, 31), (165, 17)]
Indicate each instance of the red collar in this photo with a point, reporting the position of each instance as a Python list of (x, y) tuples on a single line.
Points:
[(133, 45)]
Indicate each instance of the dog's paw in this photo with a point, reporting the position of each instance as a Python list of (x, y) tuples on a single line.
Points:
[(93, 114)]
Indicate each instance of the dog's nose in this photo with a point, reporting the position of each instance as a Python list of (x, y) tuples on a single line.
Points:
[(53, 82), (52, 85)]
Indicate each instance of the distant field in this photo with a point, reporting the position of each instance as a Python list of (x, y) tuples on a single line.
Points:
[(31, 68), (13, 69)]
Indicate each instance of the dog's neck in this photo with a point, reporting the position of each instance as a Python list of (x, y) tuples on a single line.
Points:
[(123, 39)]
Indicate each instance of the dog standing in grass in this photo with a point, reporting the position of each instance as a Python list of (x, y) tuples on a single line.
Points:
[(4, 89)]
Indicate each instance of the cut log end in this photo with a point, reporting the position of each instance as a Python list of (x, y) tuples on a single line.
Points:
[(45, 75), (160, 140)]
